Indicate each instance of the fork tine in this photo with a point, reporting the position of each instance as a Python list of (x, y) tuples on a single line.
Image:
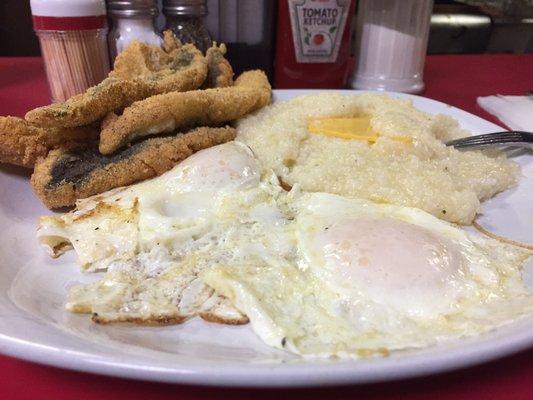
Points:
[(485, 142), (492, 138), (462, 145), (495, 136), (527, 136)]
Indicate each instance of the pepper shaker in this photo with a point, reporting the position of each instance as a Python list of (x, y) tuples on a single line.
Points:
[(185, 19)]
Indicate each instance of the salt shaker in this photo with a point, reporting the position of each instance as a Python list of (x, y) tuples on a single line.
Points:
[(72, 35), (391, 44), (132, 20), (185, 19)]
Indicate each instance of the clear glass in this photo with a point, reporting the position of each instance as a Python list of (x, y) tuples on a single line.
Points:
[(190, 29), (74, 60), (127, 29), (391, 44)]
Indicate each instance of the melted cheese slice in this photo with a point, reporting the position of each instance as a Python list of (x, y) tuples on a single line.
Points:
[(358, 128)]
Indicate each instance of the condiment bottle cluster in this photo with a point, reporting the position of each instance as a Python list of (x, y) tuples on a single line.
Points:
[(299, 43)]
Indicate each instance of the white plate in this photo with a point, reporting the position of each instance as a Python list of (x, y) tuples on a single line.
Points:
[(34, 326)]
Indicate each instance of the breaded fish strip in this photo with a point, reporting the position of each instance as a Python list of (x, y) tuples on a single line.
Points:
[(171, 111), (67, 175), (109, 95), (22, 143), (176, 67), (140, 71), (219, 70)]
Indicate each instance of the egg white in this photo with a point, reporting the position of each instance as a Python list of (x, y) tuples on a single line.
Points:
[(153, 239), (317, 274), (371, 278), (173, 207)]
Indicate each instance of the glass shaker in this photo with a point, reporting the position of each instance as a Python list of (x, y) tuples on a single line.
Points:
[(391, 44), (132, 20), (72, 36), (185, 19)]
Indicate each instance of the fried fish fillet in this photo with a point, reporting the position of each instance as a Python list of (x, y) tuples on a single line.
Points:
[(66, 175), (140, 71), (22, 143), (109, 95), (219, 70), (168, 112), (175, 67)]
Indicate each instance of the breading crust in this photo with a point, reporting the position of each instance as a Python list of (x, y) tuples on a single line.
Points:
[(140, 71), (22, 143), (67, 175), (111, 94), (219, 70), (167, 112), (177, 68)]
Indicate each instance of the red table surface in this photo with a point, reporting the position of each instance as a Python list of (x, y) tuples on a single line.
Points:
[(453, 79)]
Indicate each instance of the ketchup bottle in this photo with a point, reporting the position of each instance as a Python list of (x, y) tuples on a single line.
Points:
[(313, 43)]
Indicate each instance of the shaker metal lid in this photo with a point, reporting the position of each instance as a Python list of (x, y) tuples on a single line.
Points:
[(185, 7), (67, 8), (132, 8)]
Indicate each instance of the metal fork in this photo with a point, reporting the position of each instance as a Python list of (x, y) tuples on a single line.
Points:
[(492, 139)]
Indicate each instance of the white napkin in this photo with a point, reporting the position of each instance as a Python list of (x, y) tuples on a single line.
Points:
[(514, 111)]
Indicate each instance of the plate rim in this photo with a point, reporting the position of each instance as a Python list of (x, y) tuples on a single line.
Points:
[(301, 374), (277, 375)]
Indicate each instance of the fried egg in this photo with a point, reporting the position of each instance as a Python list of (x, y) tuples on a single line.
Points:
[(145, 236), (371, 278), (173, 207), (316, 274)]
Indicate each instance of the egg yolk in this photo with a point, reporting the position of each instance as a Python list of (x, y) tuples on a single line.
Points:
[(392, 262), (224, 167)]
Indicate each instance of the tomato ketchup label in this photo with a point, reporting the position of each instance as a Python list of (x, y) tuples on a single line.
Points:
[(317, 27)]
